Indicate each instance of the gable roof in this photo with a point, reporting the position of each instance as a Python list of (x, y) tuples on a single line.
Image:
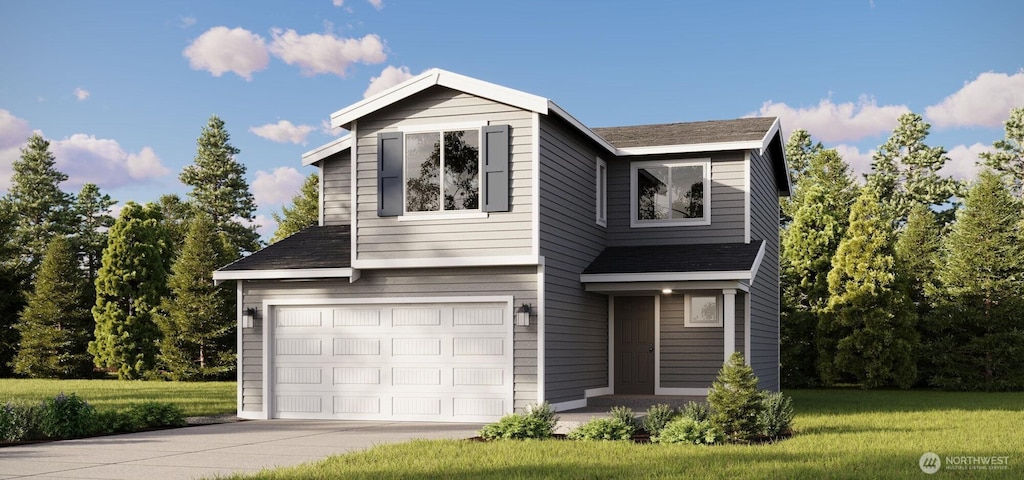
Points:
[(314, 252), (713, 261), (740, 130)]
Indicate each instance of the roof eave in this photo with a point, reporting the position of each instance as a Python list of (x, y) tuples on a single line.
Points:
[(283, 274), (326, 150)]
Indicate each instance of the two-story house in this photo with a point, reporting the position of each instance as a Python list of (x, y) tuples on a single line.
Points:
[(480, 250)]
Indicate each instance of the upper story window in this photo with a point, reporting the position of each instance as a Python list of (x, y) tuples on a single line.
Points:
[(601, 187), (442, 171), (670, 193)]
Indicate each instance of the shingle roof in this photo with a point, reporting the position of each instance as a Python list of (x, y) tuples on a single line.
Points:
[(314, 247), (714, 257), (713, 131)]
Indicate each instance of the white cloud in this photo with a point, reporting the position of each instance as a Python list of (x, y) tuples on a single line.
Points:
[(378, 4), (325, 53), (283, 131), (984, 102), (185, 22), (104, 162), (338, 3), (843, 122), (220, 50), (962, 164), (388, 78), (14, 133), (81, 94), (277, 187), (860, 163), (326, 129)]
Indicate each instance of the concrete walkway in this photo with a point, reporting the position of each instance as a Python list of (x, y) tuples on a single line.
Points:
[(209, 450)]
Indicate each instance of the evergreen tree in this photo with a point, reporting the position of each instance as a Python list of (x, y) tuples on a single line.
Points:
[(129, 286), (177, 215), (734, 399), (198, 328), (867, 330), (905, 170), (822, 200), (92, 211), (800, 149), (304, 212), (56, 326), (975, 341), (1008, 159), (219, 188), (14, 277), (41, 210), (916, 253)]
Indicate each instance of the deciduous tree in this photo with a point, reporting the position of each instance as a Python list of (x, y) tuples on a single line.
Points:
[(304, 212)]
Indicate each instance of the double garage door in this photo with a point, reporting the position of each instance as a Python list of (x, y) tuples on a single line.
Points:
[(422, 362)]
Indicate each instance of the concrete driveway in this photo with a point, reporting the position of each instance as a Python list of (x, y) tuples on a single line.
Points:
[(205, 451)]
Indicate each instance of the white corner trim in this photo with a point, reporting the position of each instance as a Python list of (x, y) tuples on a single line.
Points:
[(282, 274), (353, 205), (664, 276), (238, 347), (746, 196), (320, 194), (570, 405), (326, 150), (681, 391), (254, 415), (597, 392), (541, 332), (535, 185), (611, 343), (356, 274), (757, 262), (729, 312), (746, 326), (657, 342), (442, 262)]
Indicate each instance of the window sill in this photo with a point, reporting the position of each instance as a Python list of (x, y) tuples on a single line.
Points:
[(670, 223), (427, 217)]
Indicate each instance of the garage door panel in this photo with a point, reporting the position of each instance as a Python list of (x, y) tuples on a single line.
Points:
[(356, 318), (364, 405), (357, 375), (416, 406), (416, 317), (288, 318), (299, 346), (478, 316)]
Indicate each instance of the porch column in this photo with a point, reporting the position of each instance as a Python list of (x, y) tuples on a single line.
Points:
[(729, 295)]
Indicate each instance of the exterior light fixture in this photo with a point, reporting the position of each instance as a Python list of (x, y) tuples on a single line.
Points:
[(666, 291), (249, 318), (523, 315)]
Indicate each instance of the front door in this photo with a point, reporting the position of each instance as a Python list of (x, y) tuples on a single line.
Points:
[(634, 345)]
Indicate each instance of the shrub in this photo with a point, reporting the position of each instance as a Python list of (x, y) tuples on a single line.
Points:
[(776, 414), (538, 422), (735, 400), (112, 421), (603, 429), (657, 417), (156, 414), (625, 415), (688, 430), (66, 416), (16, 422), (698, 411)]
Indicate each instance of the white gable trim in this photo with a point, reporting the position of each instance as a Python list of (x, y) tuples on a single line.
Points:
[(326, 150), (767, 139), (342, 118), (281, 274)]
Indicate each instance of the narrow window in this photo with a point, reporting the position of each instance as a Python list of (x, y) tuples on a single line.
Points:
[(602, 192)]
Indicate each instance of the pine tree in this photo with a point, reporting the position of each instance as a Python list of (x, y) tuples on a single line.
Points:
[(177, 216), (916, 254), (734, 399), (1008, 159), (822, 200), (56, 326), (219, 188), (129, 286), (976, 337), (41, 210), (905, 170), (304, 212), (14, 278), (867, 329), (800, 149), (92, 211), (198, 328)]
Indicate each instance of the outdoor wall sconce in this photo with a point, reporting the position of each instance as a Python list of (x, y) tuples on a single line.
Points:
[(249, 318), (523, 315)]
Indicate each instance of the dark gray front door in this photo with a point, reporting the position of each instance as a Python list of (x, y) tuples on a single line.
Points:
[(634, 345)]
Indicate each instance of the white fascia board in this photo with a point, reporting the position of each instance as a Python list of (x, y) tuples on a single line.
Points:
[(691, 148), (582, 128), (757, 262), (767, 139), (282, 274), (432, 77), (664, 276), (367, 264), (648, 287), (326, 150)]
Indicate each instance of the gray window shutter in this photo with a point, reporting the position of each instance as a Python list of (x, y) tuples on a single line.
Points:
[(495, 150), (389, 174)]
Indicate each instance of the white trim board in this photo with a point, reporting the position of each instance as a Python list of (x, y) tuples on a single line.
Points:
[(293, 273), (657, 287), (665, 276), (326, 150), (442, 262)]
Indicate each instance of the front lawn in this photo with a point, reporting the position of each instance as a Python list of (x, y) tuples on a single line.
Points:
[(839, 434), (194, 398)]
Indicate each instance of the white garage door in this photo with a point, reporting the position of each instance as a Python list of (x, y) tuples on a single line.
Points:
[(423, 362)]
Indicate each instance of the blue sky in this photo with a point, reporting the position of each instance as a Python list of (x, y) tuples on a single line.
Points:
[(122, 89)]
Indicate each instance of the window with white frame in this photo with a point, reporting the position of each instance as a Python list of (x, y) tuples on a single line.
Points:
[(601, 187), (703, 310), (442, 171), (670, 193)]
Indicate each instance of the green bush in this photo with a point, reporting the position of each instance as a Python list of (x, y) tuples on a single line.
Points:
[(66, 416), (688, 430), (625, 415), (735, 400), (775, 416), (156, 414), (16, 422), (698, 411), (538, 422), (657, 417), (113, 421), (603, 429)]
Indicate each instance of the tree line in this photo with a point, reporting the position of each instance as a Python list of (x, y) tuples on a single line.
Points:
[(911, 278), (85, 294)]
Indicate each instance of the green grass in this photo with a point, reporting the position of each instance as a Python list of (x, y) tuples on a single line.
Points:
[(839, 434), (194, 398)]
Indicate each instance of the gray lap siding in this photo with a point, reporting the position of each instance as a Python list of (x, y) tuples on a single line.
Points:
[(519, 282), (764, 301), (691, 357)]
